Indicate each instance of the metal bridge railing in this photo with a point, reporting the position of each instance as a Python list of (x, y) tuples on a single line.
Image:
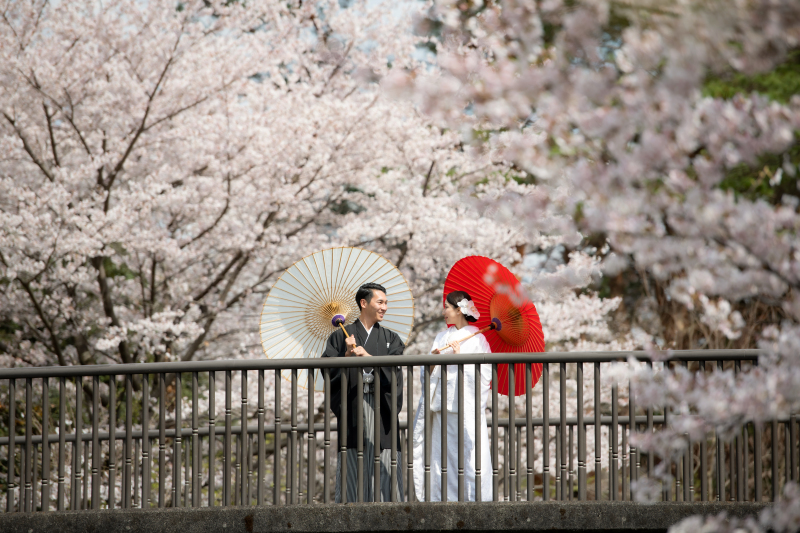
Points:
[(148, 435)]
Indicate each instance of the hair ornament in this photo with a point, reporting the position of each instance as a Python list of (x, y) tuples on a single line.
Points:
[(468, 308)]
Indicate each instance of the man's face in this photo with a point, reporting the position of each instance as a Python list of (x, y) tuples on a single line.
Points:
[(376, 307)]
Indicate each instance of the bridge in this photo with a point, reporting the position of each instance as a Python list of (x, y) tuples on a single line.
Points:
[(241, 445)]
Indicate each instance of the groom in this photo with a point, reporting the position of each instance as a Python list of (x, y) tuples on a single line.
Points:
[(367, 338)]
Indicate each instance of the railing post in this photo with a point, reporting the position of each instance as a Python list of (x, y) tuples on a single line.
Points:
[(443, 413), (76, 450), (113, 466), (35, 481), (376, 435), (559, 495), (244, 460), (426, 398), (326, 460), (227, 493), (570, 488), (162, 440), (495, 438), (774, 459), (461, 429), (276, 455), (62, 443), (793, 455), (27, 475), (634, 456), (623, 461), (737, 465), (196, 469), (410, 433), (720, 458), (212, 437), (261, 443), (342, 437), (614, 436), (394, 495), (546, 431), (597, 436), (311, 483), (562, 401), (136, 501), (146, 447), (96, 454), (45, 444), (127, 469), (177, 450), (757, 460), (511, 433), (529, 441), (581, 437), (519, 462)]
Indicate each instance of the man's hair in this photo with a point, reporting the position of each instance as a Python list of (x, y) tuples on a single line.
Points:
[(456, 296), (365, 292)]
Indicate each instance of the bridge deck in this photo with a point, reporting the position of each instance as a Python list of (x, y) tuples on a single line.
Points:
[(379, 518)]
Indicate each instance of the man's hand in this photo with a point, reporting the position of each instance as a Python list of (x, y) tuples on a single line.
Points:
[(351, 345), (359, 351)]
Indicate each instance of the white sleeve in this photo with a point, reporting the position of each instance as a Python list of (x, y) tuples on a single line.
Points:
[(486, 370), (485, 347), (438, 342)]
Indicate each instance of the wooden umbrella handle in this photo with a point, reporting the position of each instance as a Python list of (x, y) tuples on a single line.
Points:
[(345, 331), (484, 330)]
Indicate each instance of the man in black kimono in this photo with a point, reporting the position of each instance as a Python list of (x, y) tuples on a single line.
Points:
[(367, 338)]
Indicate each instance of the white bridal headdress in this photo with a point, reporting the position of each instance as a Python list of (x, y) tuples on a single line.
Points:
[(468, 308)]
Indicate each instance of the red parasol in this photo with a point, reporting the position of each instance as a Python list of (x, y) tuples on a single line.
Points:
[(497, 294)]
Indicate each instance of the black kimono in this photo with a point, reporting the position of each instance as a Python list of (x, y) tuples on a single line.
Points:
[(381, 341)]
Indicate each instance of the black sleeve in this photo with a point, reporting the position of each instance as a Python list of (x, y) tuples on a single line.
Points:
[(396, 347), (335, 347)]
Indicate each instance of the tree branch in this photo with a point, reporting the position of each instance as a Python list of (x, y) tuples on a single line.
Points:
[(219, 277), (47, 324), (108, 305), (427, 180), (39, 163), (142, 127), (48, 116), (217, 221)]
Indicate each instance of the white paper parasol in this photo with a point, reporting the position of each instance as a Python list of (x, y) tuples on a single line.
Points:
[(298, 314)]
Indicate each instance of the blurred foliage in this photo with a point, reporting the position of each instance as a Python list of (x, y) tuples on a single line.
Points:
[(779, 84), (759, 180)]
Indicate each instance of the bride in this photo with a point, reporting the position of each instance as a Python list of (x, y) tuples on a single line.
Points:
[(458, 311)]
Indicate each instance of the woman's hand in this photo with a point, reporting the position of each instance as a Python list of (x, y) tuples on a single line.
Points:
[(456, 346)]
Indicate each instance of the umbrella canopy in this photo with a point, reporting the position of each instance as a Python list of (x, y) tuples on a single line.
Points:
[(298, 314), (497, 294)]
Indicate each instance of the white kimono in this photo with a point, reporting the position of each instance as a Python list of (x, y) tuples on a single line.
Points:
[(476, 344)]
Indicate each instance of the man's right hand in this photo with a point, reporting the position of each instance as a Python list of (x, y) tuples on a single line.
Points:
[(351, 345)]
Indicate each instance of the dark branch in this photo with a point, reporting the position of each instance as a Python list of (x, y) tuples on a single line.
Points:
[(108, 305), (47, 324), (39, 163)]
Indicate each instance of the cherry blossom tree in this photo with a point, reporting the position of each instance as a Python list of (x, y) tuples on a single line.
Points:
[(163, 163), (607, 108)]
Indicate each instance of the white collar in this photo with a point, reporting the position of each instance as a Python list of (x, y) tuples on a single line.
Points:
[(465, 331), (365, 327)]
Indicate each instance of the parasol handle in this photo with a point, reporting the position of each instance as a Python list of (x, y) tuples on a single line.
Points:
[(494, 324)]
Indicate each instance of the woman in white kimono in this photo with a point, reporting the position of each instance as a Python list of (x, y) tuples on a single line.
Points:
[(458, 311)]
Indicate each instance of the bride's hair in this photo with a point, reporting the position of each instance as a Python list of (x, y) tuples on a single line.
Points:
[(456, 296)]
